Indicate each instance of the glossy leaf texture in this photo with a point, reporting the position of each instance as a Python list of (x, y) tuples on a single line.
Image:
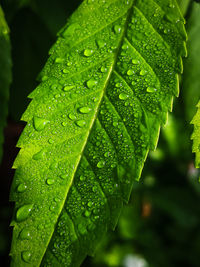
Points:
[(5, 74), (196, 135), (104, 92)]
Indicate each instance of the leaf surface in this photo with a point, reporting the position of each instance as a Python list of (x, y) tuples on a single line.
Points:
[(105, 90), (196, 135), (5, 74)]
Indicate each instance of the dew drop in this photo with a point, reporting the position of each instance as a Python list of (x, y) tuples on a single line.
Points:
[(59, 60), (130, 72), (80, 123), (50, 181), (106, 154), (135, 61), (88, 52), (85, 110), (68, 87), (94, 189), (23, 212), (117, 28), (82, 178), (103, 69), (90, 204), (39, 155), (26, 256), (65, 71), (100, 43), (143, 72), (87, 213), (151, 89), (118, 84), (123, 96), (25, 234), (64, 123), (91, 83), (50, 141), (101, 164), (63, 176), (39, 123), (21, 188), (71, 116)]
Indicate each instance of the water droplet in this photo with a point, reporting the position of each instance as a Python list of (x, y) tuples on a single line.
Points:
[(59, 60), (143, 72), (72, 116), (23, 212), (68, 87), (21, 188), (65, 71), (80, 123), (130, 72), (87, 213), (94, 189), (26, 256), (39, 155), (100, 43), (88, 52), (106, 154), (151, 89), (25, 234), (103, 69), (50, 181), (91, 83), (118, 84), (101, 164), (125, 46), (85, 110), (82, 178), (90, 204), (135, 61), (39, 123), (50, 141), (123, 96), (117, 28), (64, 123), (63, 176)]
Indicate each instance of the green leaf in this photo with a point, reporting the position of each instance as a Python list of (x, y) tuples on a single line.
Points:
[(191, 81), (196, 136), (104, 92), (5, 74)]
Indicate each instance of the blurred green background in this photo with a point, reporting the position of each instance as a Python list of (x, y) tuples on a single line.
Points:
[(161, 224)]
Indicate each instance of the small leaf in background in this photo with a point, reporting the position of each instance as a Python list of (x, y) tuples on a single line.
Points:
[(196, 135), (184, 4), (191, 81), (5, 75)]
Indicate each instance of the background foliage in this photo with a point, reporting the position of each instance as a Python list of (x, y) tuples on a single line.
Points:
[(160, 226)]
